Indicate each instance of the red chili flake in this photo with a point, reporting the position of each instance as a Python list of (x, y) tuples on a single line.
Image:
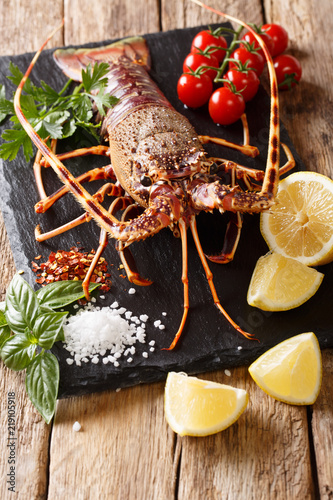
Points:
[(72, 265)]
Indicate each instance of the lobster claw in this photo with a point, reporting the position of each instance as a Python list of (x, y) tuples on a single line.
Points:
[(231, 239)]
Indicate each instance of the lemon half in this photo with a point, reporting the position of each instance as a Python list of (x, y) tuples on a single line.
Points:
[(300, 224), (291, 371), (196, 407)]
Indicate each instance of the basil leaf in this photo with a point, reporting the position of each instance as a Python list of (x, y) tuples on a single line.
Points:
[(60, 336), (47, 328), (5, 333), (42, 383), (3, 319), (62, 293), (22, 306), (18, 351), (2, 306)]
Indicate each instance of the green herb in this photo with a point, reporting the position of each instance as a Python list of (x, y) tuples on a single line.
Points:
[(54, 115), (29, 327)]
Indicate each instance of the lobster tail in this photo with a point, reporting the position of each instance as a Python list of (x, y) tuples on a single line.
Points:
[(72, 61)]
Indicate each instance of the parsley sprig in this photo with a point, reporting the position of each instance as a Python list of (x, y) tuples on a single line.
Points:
[(54, 115)]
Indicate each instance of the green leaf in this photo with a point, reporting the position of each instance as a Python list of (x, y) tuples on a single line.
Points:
[(47, 328), (5, 333), (2, 306), (42, 384), (22, 306), (62, 293), (18, 351), (16, 138), (94, 79), (3, 319), (6, 107)]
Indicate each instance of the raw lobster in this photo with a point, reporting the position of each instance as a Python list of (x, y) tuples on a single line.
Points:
[(158, 164)]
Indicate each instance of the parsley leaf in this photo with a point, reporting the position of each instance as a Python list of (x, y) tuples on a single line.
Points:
[(53, 114)]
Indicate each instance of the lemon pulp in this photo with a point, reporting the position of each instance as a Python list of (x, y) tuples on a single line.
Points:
[(196, 407), (300, 224)]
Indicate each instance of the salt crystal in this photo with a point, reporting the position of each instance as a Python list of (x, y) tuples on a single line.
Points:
[(102, 297), (152, 349), (143, 317), (145, 354), (152, 342), (227, 372), (76, 426), (69, 361), (131, 291), (114, 305), (128, 314), (162, 327), (129, 360), (157, 322), (95, 360), (93, 299), (239, 347), (116, 363), (164, 313)]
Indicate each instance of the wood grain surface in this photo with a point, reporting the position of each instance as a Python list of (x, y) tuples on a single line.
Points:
[(125, 450)]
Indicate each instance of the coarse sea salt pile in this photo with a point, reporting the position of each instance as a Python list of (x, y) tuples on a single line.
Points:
[(104, 334)]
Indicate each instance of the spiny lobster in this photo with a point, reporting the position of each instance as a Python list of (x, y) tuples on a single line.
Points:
[(158, 165)]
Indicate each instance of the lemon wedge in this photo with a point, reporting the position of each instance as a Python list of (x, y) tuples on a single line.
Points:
[(279, 283), (291, 371), (300, 224), (196, 407)]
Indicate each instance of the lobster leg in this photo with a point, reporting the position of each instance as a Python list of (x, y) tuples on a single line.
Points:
[(118, 204), (97, 173), (183, 235), (126, 255), (246, 149), (107, 189), (209, 276)]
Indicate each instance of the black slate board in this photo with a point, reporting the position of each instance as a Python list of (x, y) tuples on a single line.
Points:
[(208, 341)]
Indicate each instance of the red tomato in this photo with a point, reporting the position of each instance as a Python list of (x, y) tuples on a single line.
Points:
[(194, 91), (225, 107), (255, 60), (194, 61), (206, 39), (279, 36), (249, 37), (246, 82), (288, 71)]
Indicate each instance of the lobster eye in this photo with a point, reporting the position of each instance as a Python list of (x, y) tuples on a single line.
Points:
[(146, 180)]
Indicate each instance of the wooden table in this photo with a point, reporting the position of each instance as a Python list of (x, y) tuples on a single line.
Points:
[(125, 449)]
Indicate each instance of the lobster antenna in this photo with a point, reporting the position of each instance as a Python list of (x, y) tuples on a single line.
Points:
[(270, 182), (106, 220)]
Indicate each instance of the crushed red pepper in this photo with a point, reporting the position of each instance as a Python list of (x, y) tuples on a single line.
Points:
[(72, 265)]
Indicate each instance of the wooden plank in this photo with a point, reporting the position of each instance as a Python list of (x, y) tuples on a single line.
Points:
[(183, 14), (123, 450), (31, 432), (322, 429), (87, 21), (25, 25)]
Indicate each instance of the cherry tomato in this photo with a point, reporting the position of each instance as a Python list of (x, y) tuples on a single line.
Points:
[(249, 37), (194, 91), (279, 36), (206, 39), (288, 69), (255, 60), (225, 107), (194, 61), (246, 82)]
